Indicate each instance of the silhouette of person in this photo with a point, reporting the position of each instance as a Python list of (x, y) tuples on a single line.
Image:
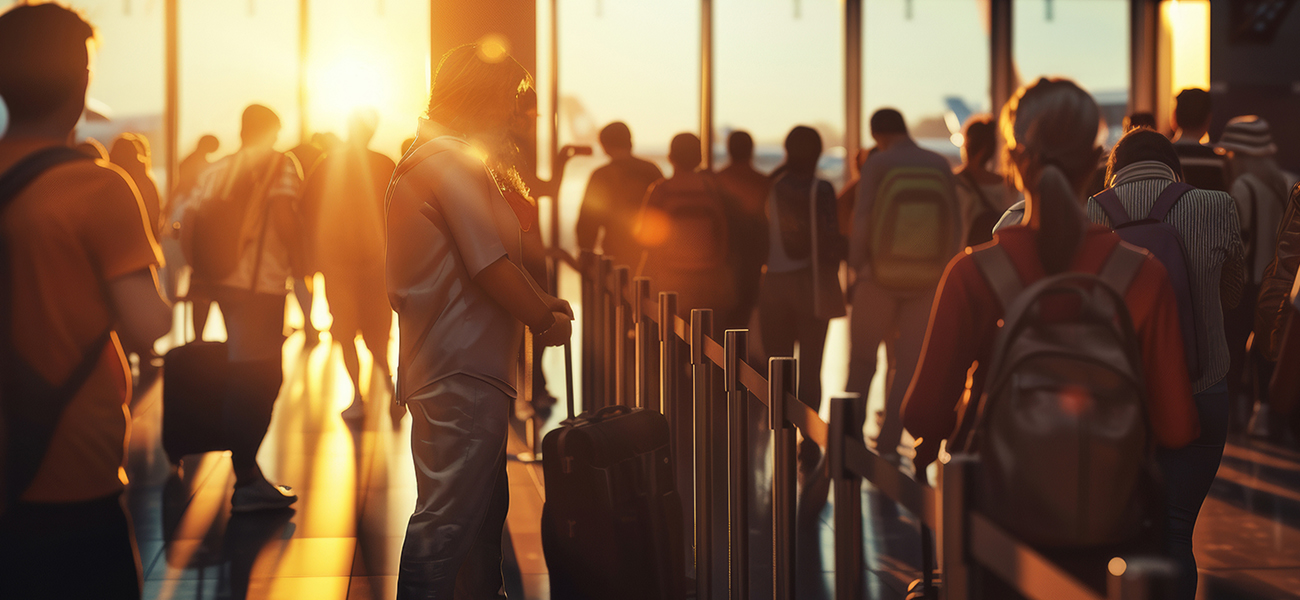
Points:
[(343, 203), (1203, 165), (747, 189), (982, 194), (169, 235), (614, 196)]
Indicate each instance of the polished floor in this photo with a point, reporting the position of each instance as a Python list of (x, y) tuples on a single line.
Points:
[(343, 538)]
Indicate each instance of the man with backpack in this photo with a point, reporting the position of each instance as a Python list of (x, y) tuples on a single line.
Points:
[(78, 264), (906, 226), (614, 196), (242, 228)]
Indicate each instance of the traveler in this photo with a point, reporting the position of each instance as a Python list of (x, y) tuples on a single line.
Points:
[(849, 194), (455, 278), (344, 205), (78, 275), (801, 287), (1050, 165), (1278, 279), (310, 154), (906, 226), (1139, 119), (614, 196), (982, 194), (747, 189), (242, 227), (131, 152), (169, 235), (194, 164), (1203, 165), (684, 227)]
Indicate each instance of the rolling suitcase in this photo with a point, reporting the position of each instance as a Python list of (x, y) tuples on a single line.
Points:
[(194, 385), (612, 522)]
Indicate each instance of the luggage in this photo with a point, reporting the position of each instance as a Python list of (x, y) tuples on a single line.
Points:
[(1062, 427), (1166, 243), (194, 385), (220, 223), (697, 230), (913, 225), (612, 523)]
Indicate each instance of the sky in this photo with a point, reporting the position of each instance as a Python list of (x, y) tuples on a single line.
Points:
[(778, 62)]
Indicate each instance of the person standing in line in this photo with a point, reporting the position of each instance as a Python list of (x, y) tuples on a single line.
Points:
[(801, 287), (344, 205), (455, 277), (613, 198), (131, 152), (746, 188), (982, 194), (247, 275), (169, 237), (1203, 164), (898, 261), (78, 266)]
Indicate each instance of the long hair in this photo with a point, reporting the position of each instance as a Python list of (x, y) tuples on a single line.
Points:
[(477, 92), (1050, 130)]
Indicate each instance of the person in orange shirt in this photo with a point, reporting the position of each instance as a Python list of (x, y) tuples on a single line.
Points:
[(80, 280)]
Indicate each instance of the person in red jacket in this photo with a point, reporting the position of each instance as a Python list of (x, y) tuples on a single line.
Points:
[(1050, 165)]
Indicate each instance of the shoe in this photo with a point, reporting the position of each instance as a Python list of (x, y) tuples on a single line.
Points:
[(262, 495), (355, 412)]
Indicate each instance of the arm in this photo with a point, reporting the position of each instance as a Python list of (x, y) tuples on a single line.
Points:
[(1278, 277), (1235, 272), (514, 290), (859, 241), (143, 315)]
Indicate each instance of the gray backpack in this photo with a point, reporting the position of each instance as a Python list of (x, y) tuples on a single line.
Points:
[(1062, 430)]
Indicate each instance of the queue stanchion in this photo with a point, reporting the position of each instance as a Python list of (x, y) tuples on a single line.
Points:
[(702, 376), (736, 343), (600, 336), (646, 344), (848, 414), (587, 277), (954, 480), (619, 336), (670, 365), (780, 381)]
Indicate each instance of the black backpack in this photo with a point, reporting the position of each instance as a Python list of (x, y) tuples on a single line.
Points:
[(1062, 429), (218, 229), (30, 406)]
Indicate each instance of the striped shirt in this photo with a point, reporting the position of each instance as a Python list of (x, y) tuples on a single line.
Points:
[(1211, 234)]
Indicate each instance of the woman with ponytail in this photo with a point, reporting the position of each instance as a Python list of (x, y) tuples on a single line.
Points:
[(1049, 130)]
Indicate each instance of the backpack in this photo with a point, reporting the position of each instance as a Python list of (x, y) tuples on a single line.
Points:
[(30, 406), (217, 239), (981, 227), (698, 231), (912, 226), (1166, 243), (1062, 428)]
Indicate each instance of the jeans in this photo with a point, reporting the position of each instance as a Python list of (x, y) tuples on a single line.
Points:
[(254, 336), (453, 540), (1189, 472)]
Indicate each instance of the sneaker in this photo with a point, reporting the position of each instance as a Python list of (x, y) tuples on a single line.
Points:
[(355, 412), (262, 495)]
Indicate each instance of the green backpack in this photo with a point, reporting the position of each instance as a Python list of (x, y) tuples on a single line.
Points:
[(913, 228)]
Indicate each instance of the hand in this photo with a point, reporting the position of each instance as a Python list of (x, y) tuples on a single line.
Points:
[(559, 305), (559, 333)]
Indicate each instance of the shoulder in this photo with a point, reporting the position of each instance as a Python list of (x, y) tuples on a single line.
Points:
[(1213, 201)]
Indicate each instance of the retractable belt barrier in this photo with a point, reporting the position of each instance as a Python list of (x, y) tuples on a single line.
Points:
[(618, 312)]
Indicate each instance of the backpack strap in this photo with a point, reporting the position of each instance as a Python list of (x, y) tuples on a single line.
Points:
[(1000, 272), (26, 170), (1167, 199), (1122, 266), (1109, 202)]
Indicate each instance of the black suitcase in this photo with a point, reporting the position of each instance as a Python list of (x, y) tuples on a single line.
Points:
[(194, 385), (612, 522)]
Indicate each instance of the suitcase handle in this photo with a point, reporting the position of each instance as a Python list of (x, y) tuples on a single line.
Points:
[(568, 378)]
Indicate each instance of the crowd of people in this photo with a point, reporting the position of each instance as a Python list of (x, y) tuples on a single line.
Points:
[(1177, 263)]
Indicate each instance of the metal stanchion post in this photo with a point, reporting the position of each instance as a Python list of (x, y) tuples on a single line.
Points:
[(737, 341), (848, 413), (599, 336), (669, 361), (780, 381), (645, 344), (954, 478), (619, 335), (587, 276), (702, 374)]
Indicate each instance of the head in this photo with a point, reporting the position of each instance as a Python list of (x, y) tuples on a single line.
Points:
[(259, 127), (685, 153), (1192, 111), (1248, 136), (616, 140), (208, 144), (1139, 119), (740, 148), (92, 148), (1050, 131), (803, 148), (44, 67), (361, 126), (887, 127), (481, 93), (1141, 145), (130, 151), (980, 140)]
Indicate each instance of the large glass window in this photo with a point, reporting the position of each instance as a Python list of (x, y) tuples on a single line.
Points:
[(930, 60), (1084, 40), (778, 65)]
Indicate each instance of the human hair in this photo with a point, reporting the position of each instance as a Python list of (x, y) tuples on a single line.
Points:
[(44, 57), (803, 148), (208, 144), (979, 138), (1140, 145), (476, 91), (740, 146), (887, 121), (257, 124), (130, 150), (1139, 119), (1050, 131), (616, 136), (685, 153), (1192, 109)]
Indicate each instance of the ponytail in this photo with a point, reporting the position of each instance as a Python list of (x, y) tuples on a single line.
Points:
[(1061, 221)]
